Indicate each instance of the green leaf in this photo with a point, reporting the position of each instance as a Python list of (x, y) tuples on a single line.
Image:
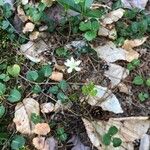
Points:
[(36, 89), (61, 96), (14, 70), (2, 89), (148, 82), (130, 66), (70, 4), (36, 118), (106, 139), (14, 96), (63, 85), (90, 35), (17, 142), (136, 62), (47, 70), (2, 111), (63, 137), (143, 96), (32, 75), (138, 80), (116, 142), (5, 24), (112, 130), (88, 3), (95, 25), (2, 76), (84, 26), (60, 131), (93, 13), (62, 52), (53, 89)]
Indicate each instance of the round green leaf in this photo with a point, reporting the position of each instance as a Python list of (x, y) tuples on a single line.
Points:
[(63, 85), (106, 139), (90, 35), (32, 75), (112, 130), (53, 90), (47, 70), (148, 82), (14, 96), (17, 142), (14, 70), (138, 80), (116, 142), (2, 110), (61, 96), (2, 89), (36, 89)]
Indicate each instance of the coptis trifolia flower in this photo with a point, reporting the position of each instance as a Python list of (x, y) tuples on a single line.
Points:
[(72, 65)]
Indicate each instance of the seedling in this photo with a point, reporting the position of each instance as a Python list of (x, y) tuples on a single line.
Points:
[(61, 135), (109, 138), (133, 64), (89, 89), (138, 80), (59, 90), (90, 28), (143, 96)]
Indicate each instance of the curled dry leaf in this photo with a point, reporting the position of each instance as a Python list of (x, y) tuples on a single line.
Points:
[(29, 27), (134, 3), (34, 35), (129, 130), (33, 50), (124, 88), (21, 14), (116, 73), (113, 16), (105, 99), (56, 76), (112, 34), (41, 143), (43, 28), (111, 53), (41, 129), (47, 107), (23, 111), (129, 44)]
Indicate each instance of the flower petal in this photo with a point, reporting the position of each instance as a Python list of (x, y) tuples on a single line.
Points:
[(72, 60), (67, 63), (78, 62), (77, 68), (69, 70)]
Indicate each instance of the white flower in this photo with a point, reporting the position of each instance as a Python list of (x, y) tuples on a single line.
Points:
[(72, 65)]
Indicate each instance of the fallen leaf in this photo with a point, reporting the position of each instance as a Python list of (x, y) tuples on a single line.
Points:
[(116, 73), (113, 16), (21, 14), (105, 99), (77, 144), (34, 35), (41, 143), (134, 3), (23, 111), (60, 67), (76, 44), (129, 44), (41, 129), (111, 53), (123, 88), (145, 142), (47, 107), (33, 50), (29, 27), (56, 76), (129, 130), (112, 34)]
